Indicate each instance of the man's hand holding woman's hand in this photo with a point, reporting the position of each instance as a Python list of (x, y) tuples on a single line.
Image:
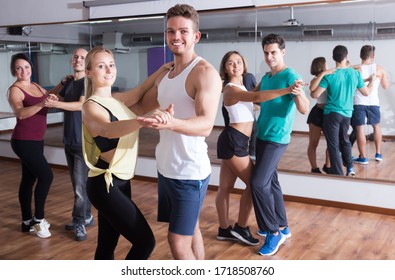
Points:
[(158, 118)]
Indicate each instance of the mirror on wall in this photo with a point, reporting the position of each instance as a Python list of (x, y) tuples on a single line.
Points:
[(309, 30)]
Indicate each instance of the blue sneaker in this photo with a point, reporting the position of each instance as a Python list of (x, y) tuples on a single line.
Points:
[(272, 243), (286, 232), (350, 171), (378, 157), (361, 160)]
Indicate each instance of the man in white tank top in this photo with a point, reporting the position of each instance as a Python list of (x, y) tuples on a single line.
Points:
[(367, 108), (192, 89)]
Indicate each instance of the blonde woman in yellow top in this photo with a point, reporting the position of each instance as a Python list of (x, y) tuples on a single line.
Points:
[(110, 141)]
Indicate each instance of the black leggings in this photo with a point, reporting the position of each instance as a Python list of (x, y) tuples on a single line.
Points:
[(34, 167), (117, 214)]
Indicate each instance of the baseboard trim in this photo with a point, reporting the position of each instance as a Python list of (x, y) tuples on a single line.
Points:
[(305, 200)]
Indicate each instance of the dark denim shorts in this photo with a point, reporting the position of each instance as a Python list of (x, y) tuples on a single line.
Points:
[(365, 115), (180, 202)]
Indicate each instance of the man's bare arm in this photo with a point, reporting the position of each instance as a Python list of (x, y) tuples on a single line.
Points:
[(204, 86)]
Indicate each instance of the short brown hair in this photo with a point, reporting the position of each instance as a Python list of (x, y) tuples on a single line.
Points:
[(274, 39), (318, 66), (186, 11), (366, 51), (339, 53)]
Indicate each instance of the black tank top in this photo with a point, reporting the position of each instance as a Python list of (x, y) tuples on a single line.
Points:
[(105, 144)]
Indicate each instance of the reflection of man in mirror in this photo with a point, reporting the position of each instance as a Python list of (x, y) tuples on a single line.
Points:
[(367, 108), (71, 95), (274, 127), (340, 87)]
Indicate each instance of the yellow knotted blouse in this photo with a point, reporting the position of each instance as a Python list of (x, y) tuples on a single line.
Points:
[(123, 164)]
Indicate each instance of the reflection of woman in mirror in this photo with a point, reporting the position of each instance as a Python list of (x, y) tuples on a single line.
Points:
[(27, 102), (232, 146), (318, 69)]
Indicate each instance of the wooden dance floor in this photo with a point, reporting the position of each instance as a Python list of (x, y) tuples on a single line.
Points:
[(318, 232)]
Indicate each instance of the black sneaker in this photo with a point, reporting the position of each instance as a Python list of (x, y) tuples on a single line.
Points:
[(88, 223), (69, 226), (315, 170), (26, 228), (325, 169), (224, 234), (244, 234)]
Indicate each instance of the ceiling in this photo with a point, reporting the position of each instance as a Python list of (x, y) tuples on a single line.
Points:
[(348, 13), (317, 14)]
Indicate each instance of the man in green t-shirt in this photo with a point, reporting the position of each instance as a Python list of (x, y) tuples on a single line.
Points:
[(274, 127)]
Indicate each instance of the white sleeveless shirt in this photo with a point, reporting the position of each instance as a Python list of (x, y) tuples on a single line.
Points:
[(241, 111), (373, 98), (179, 156)]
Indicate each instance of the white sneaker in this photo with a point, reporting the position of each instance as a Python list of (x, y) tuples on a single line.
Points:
[(42, 229)]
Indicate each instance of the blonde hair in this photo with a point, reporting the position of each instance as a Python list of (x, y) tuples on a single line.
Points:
[(88, 64)]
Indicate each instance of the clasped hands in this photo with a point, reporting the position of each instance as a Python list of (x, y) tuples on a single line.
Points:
[(50, 101), (158, 118), (297, 87)]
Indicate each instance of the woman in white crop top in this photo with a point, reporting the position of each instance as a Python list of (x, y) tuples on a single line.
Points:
[(232, 146)]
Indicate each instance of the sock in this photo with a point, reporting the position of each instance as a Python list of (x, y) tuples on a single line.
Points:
[(37, 220), (27, 222)]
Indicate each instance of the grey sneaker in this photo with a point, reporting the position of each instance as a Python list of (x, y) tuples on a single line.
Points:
[(88, 223), (80, 233)]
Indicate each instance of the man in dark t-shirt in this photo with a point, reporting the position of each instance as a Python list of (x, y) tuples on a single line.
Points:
[(71, 97)]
